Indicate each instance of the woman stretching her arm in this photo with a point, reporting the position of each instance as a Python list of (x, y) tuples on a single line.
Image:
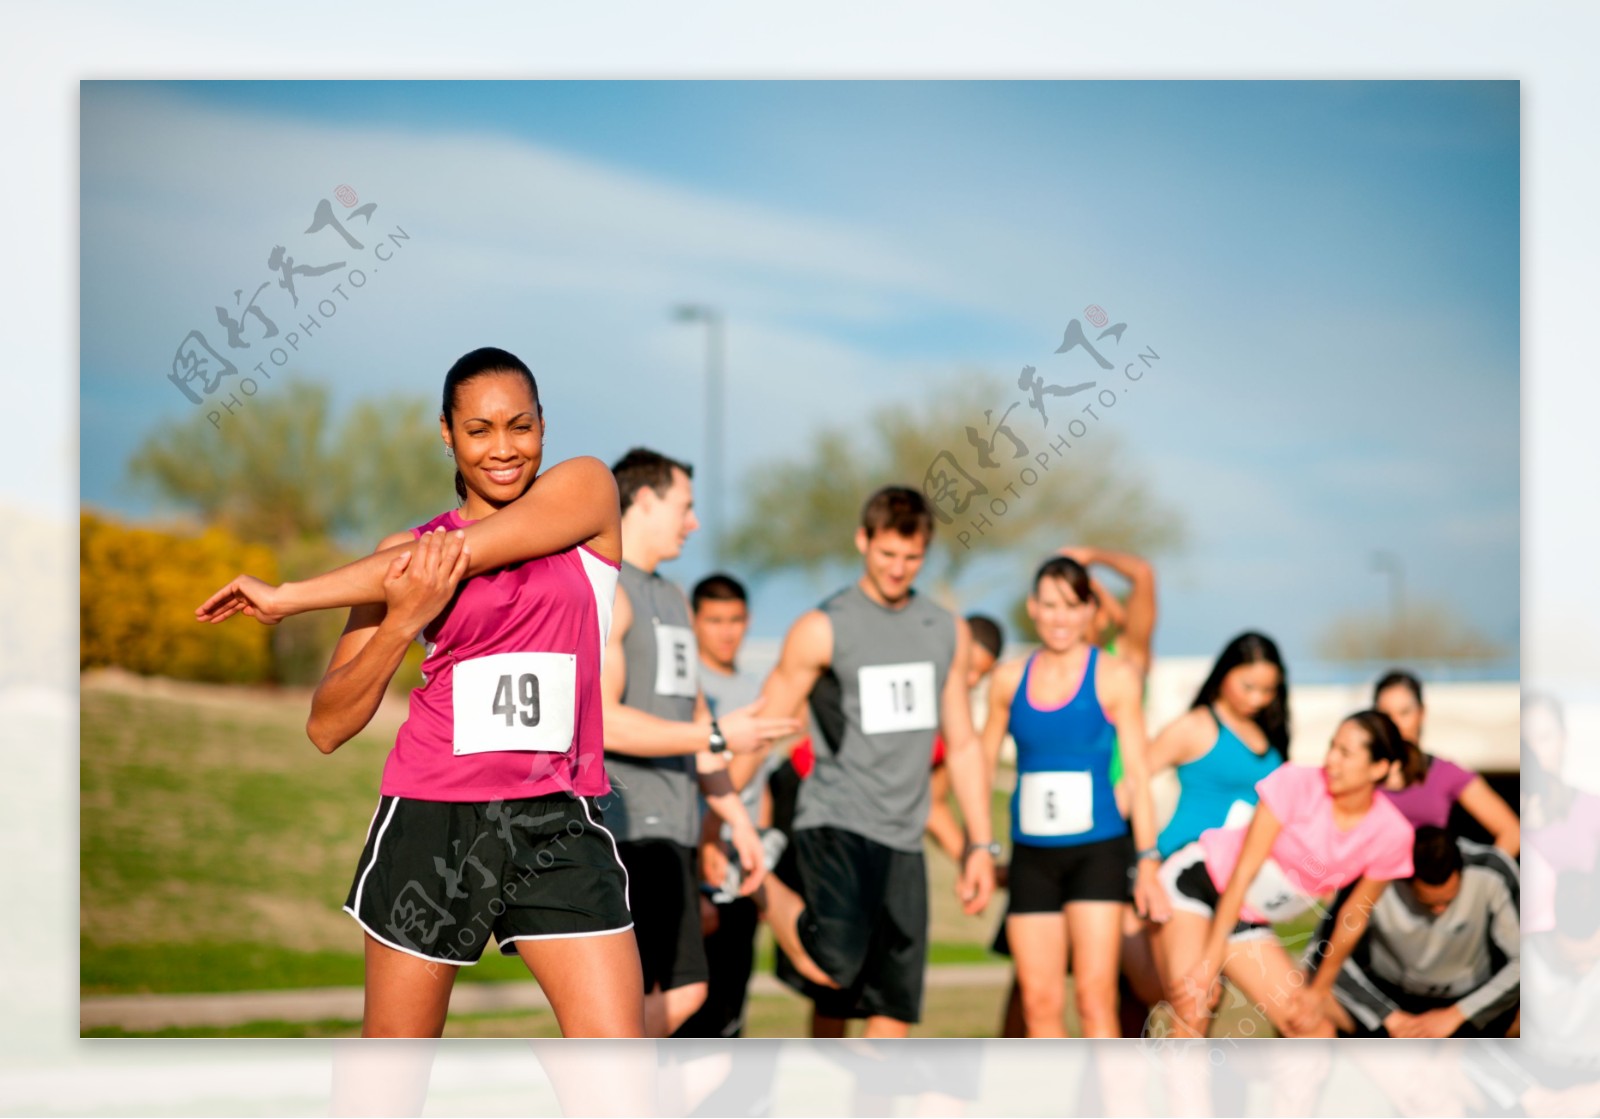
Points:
[(491, 796)]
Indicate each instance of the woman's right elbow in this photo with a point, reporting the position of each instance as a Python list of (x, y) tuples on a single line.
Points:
[(323, 738)]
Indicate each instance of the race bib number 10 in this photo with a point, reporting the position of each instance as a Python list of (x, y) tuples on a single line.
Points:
[(515, 701), (675, 661), (897, 697)]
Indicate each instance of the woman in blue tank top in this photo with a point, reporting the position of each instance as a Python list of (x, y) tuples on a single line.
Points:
[(1235, 733), (1072, 855)]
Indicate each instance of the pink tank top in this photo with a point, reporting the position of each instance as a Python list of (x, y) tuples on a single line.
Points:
[(510, 701)]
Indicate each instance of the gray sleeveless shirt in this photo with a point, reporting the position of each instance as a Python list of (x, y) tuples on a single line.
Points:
[(656, 798), (874, 715)]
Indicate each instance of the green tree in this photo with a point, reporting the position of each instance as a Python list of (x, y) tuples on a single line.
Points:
[(284, 473), (1429, 631), (802, 510)]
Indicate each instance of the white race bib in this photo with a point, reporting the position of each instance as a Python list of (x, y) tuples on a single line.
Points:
[(1275, 897), (1055, 803), (1240, 813), (515, 701), (675, 661), (897, 697)]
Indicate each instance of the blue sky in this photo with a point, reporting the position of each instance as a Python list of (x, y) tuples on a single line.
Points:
[(1330, 271)]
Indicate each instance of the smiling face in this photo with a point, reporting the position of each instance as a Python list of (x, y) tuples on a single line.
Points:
[(1059, 616), (1248, 688), (1349, 766), (892, 561), (497, 432)]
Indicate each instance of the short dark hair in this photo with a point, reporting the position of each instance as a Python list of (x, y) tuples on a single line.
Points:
[(987, 633), (1435, 856), (897, 509), (718, 588), (642, 467)]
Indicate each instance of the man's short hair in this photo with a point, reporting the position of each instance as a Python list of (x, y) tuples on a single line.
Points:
[(986, 632), (642, 467), (1435, 856), (718, 588), (897, 509)]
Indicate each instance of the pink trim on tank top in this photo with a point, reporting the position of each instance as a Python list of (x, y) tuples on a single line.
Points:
[(608, 562), (1027, 694)]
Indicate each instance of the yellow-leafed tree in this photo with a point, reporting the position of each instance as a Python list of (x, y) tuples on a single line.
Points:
[(138, 591)]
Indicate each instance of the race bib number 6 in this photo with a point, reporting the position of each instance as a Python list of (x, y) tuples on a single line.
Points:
[(897, 697), (1060, 803), (515, 701)]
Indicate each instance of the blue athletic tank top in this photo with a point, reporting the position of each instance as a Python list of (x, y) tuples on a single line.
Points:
[(1218, 789), (1064, 795)]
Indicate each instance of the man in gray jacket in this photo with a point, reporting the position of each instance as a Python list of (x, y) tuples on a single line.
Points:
[(1441, 956)]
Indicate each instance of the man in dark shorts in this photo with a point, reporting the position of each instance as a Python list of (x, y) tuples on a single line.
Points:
[(721, 615), (884, 668), (663, 745)]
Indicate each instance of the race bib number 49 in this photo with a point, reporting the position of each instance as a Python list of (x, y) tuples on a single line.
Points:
[(675, 658), (515, 701), (896, 697)]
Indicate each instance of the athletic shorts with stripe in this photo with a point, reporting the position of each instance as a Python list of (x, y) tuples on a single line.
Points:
[(437, 878), (1190, 890)]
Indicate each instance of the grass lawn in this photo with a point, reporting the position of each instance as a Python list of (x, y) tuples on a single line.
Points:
[(217, 846)]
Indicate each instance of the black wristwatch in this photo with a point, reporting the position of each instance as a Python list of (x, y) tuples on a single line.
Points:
[(719, 741), (992, 848)]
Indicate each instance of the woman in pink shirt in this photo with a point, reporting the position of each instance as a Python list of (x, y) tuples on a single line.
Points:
[(1315, 830), (1425, 787), (493, 792)]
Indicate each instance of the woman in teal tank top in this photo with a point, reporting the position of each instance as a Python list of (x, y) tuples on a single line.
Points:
[(1235, 733)]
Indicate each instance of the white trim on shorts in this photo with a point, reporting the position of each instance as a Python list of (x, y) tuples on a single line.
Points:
[(626, 899), (361, 883), (510, 940), (1178, 862), (402, 948)]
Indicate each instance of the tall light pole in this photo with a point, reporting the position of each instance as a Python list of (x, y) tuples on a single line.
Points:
[(701, 312), (1390, 563)]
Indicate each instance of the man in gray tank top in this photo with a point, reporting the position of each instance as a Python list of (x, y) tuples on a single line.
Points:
[(884, 669), (662, 744)]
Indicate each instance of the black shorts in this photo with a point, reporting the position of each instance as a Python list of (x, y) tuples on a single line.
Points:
[(731, 956), (1190, 890), (666, 912), (865, 923), (1043, 879), (437, 877)]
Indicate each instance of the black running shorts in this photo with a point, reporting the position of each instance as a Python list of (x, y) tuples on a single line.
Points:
[(865, 923), (1043, 879), (666, 912), (436, 878)]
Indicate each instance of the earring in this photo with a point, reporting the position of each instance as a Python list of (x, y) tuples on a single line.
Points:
[(449, 451)]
